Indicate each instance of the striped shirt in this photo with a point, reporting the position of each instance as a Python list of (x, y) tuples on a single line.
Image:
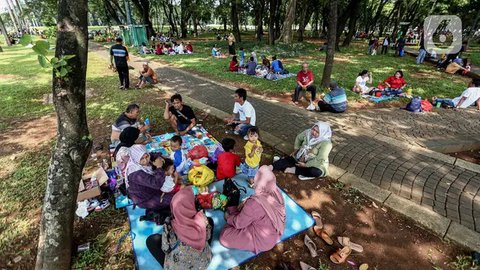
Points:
[(337, 99), (120, 55)]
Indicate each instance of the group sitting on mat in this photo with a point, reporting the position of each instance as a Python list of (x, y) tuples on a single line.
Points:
[(269, 70), (156, 183)]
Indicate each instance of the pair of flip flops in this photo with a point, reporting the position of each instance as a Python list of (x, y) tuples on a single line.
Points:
[(342, 253)]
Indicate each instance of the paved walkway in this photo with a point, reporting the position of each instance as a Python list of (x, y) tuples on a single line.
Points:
[(449, 190), (380, 146)]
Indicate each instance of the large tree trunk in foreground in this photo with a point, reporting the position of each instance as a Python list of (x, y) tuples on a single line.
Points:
[(332, 34), (73, 140), (4, 32), (287, 33)]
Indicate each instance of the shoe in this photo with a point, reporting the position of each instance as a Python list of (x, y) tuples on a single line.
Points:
[(290, 170), (236, 132), (311, 246), (245, 137), (305, 266), (304, 178), (93, 204), (276, 158), (340, 255), (121, 87), (104, 204)]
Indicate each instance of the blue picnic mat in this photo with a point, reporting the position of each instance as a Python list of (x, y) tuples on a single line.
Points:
[(297, 221), (380, 99)]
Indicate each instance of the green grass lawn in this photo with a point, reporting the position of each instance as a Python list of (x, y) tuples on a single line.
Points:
[(425, 80)]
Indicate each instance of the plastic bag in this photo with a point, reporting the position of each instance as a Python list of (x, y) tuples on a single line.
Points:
[(198, 152), (201, 176), (426, 105)]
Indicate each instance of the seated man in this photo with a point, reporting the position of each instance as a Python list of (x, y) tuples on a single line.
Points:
[(129, 119), (304, 82), (147, 75), (277, 65), (335, 101), (246, 114), (181, 117), (468, 98)]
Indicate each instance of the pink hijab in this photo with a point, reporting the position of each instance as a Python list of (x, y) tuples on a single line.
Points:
[(188, 224), (269, 197)]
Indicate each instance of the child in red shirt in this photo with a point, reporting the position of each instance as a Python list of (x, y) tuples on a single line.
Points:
[(395, 84), (227, 161)]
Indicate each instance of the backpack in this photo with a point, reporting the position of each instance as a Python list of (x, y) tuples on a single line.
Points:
[(232, 192), (415, 105), (426, 105)]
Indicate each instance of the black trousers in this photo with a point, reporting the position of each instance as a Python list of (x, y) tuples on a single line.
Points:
[(311, 88), (154, 244), (123, 76), (286, 162), (384, 49)]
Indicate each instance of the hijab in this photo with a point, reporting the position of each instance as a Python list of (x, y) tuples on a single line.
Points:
[(188, 224), (324, 134), (127, 138), (269, 197), (136, 153)]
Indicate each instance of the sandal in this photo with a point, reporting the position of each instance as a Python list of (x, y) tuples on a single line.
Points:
[(340, 255), (311, 246), (305, 266), (323, 234), (345, 241), (318, 219)]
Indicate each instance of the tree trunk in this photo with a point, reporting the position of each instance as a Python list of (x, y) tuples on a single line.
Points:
[(271, 21), (472, 30), (11, 6), (377, 14), (278, 13), (287, 33), (111, 12), (260, 7), (185, 13), (306, 11), (351, 31), (351, 11), (398, 9), (234, 13), (73, 140), (4, 32), (143, 7), (332, 35), (12, 17), (119, 8), (168, 9)]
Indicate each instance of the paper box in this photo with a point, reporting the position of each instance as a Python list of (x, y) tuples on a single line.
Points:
[(92, 192)]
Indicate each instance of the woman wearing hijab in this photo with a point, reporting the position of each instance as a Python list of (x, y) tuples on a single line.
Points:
[(184, 244), (144, 183), (257, 224), (122, 152), (310, 158)]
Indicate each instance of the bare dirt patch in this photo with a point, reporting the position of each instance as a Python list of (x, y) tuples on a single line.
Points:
[(28, 134)]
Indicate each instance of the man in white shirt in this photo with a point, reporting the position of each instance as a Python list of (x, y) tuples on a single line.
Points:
[(246, 114), (468, 98)]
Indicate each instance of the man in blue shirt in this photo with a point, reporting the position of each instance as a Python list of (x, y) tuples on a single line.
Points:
[(277, 66), (119, 53), (335, 101)]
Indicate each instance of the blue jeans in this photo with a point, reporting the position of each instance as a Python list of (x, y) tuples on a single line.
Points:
[(392, 92), (182, 127), (444, 101), (243, 128), (421, 56)]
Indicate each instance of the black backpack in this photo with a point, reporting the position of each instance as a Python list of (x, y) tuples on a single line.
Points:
[(232, 192)]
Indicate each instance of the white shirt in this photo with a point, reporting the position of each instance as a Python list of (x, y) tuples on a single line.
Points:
[(361, 81), (385, 42), (245, 110), (168, 185), (472, 94)]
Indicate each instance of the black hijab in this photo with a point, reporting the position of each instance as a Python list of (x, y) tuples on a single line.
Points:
[(127, 138)]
